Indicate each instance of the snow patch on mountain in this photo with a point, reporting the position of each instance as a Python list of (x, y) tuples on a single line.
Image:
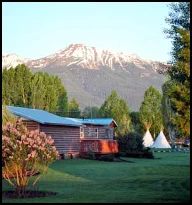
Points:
[(83, 56), (12, 60)]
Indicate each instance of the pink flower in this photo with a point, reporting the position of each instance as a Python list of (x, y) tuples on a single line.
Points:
[(23, 137)]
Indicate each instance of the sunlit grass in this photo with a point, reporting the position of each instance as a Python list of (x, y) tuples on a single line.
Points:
[(163, 179)]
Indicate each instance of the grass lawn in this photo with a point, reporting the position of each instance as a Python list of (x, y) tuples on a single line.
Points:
[(165, 179)]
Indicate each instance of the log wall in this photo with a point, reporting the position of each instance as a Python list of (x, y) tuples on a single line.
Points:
[(66, 139)]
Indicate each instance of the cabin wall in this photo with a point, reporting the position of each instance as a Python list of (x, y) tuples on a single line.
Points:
[(104, 132), (66, 139), (31, 125)]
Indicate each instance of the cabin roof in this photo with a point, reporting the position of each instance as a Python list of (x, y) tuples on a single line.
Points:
[(96, 121), (42, 116)]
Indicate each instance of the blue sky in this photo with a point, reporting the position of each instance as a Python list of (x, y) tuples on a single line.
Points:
[(36, 29)]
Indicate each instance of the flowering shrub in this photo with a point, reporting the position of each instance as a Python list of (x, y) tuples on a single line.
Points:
[(25, 153)]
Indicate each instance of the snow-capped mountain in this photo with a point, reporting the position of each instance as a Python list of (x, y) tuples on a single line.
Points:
[(83, 56), (90, 74), (12, 60)]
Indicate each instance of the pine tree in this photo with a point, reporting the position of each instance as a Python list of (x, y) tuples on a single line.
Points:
[(179, 73)]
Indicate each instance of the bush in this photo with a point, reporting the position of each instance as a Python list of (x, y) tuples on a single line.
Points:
[(145, 153), (25, 153), (106, 157), (131, 145), (130, 142), (87, 155)]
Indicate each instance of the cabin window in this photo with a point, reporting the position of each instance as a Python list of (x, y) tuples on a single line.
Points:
[(107, 133), (96, 132), (81, 132), (89, 131)]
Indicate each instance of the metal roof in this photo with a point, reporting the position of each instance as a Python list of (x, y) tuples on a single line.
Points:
[(42, 116), (95, 121)]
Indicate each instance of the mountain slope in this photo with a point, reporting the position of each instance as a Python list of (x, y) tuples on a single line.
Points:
[(90, 74)]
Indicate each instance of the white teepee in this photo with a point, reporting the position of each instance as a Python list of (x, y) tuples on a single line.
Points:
[(161, 141), (147, 139)]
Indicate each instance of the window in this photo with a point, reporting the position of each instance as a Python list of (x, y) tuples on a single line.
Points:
[(81, 132), (96, 132), (89, 131), (107, 133)]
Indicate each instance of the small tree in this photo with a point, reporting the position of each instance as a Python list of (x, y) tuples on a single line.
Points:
[(150, 110), (74, 108), (24, 153), (117, 108)]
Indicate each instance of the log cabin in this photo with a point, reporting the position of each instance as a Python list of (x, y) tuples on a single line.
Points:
[(71, 135), (97, 136)]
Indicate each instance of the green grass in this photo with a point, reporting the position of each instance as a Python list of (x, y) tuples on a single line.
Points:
[(170, 149), (165, 179)]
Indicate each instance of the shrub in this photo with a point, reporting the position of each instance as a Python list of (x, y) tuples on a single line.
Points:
[(145, 153), (87, 155), (25, 153), (131, 145), (106, 157), (130, 142)]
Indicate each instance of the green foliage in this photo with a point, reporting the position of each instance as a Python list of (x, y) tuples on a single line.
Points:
[(106, 157), (150, 110), (16, 86), (74, 108), (90, 112), (136, 123), (40, 90), (62, 97), (146, 153), (7, 116), (88, 155), (131, 145), (116, 108), (179, 91), (130, 142), (22, 84)]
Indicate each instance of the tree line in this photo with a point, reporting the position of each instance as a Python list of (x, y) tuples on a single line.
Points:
[(40, 90)]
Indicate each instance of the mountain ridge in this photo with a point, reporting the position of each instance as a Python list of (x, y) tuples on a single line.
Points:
[(89, 74)]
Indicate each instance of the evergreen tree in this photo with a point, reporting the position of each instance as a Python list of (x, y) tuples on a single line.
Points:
[(179, 73), (150, 110)]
